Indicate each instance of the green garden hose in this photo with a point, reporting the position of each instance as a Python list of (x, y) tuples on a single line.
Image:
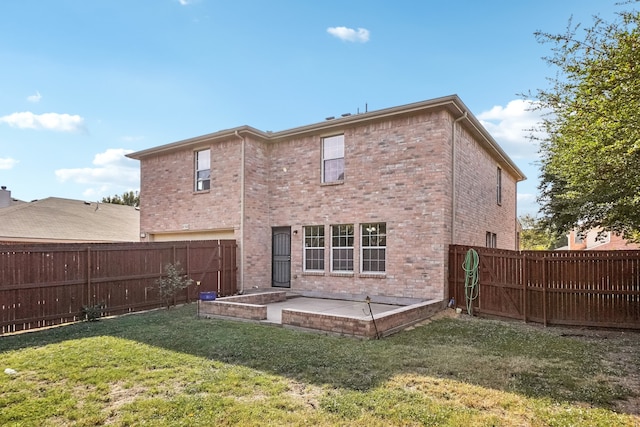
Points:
[(471, 289)]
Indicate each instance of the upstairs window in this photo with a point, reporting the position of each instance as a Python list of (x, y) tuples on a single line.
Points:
[(342, 248), (492, 240), (499, 186), (333, 158), (203, 170), (374, 247), (314, 248)]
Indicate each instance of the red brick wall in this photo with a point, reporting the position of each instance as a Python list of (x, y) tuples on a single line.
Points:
[(592, 240), (257, 230), (397, 171), (386, 323), (167, 198), (616, 243), (250, 307), (477, 210)]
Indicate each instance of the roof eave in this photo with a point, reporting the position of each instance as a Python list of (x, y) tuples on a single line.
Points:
[(491, 143), (452, 103), (201, 140)]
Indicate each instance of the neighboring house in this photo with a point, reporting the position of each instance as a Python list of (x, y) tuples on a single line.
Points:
[(598, 240), (56, 220), (364, 204)]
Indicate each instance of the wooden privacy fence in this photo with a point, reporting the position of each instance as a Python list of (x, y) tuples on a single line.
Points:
[(49, 284), (578, 288)]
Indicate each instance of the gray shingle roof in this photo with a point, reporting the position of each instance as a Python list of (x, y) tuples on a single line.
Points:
[(65, 220)]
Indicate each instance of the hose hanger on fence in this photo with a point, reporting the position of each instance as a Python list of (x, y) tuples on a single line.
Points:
[(471, 288)]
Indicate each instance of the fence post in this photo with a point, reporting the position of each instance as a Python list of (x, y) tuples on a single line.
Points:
[(173, 257), (454, 265), (525, 286), (88, 276), (188, 272), (222, 270), (544, 291)]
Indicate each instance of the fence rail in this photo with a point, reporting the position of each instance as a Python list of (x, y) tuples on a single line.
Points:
[(49, 284), (577, 288)]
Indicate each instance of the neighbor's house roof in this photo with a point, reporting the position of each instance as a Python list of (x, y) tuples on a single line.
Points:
[(451, 103), (69, 221), (15, 202)]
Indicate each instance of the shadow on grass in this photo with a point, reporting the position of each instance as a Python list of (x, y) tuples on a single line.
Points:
[(509, 357)]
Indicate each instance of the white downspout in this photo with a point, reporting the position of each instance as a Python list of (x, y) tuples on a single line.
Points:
[(242, 197), (454, 176)]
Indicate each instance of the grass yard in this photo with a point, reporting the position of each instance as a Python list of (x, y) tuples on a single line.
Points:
[(169, 368)]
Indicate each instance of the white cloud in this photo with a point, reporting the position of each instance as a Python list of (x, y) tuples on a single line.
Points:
[(512, 127), (7, 163), (114, 156), (34, 98), (98, 193), (113, 172), (184, 2), (526, 198), (528, 204), (349, 34), (48, 121)]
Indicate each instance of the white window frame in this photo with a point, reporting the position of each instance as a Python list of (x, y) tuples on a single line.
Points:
[(340, 242), (332, 153), (313, 234), (202, 166), (491, 240), (375, 234)]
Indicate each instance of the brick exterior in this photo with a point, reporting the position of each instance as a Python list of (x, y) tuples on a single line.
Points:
[(477, 210), (597, 241), (385, 323), (253, 307), (398, 170), (250, 307)]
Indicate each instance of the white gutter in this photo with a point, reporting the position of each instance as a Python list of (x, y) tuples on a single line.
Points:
[(516, 222), (454, 176), (242, 197)]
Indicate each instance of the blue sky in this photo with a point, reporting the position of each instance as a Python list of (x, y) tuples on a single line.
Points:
[(85, 82)]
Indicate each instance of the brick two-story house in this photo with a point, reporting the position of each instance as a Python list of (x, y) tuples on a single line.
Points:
[(364, 204), (598, 240)]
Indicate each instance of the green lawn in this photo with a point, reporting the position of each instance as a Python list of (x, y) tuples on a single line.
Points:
[(169, 368)]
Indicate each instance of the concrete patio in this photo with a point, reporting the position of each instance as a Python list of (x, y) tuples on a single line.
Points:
[(335, 316), (357, 309)]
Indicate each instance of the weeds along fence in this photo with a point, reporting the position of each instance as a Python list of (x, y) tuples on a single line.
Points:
[(577, 288), (50, 284)]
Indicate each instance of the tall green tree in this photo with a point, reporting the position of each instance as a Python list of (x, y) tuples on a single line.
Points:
[(129, 198), (590, 156), (535, 235)]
